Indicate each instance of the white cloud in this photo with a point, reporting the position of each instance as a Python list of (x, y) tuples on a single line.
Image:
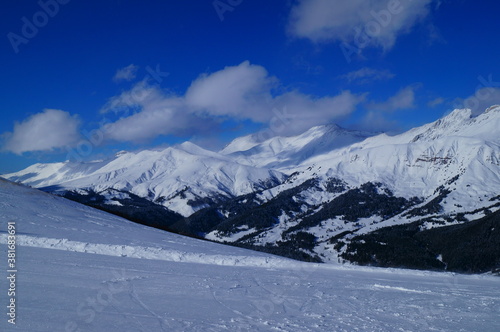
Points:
[(146, 112), (366, 75), (126, 74), (358, 22), (404, 99), (242, 92), (140, 94), (306, 111), (436, 102), (378, 115), (481, 100), (377, 122), (45, 131)]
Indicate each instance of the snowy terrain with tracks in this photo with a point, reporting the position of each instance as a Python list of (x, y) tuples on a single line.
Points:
[(80, 269)]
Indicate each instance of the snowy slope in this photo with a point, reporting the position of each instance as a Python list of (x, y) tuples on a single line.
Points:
[(173, 176), (84, 270), (283, 152), (48, 221)]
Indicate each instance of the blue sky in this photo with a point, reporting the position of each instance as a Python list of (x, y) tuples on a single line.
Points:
[(85, 79)]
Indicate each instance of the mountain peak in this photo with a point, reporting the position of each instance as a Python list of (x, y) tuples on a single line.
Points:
[(189, 147), (460, 122), (196, 150), (458, 115), (283, 151), (120, 153), (327, 127), (491, 109)]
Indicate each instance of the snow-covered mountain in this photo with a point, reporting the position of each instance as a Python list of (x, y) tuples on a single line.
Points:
[(182, 178), (439, 174), (458, 147), (339, 185), (283, 152), (80, 269)]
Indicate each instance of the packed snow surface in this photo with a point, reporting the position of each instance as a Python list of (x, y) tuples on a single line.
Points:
[(80, 269)]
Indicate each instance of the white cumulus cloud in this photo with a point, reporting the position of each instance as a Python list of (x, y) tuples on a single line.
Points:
[(126, 74), (239, 91), (379, 115), (45, 131), (358, 22), (403, 99), (242, 92)]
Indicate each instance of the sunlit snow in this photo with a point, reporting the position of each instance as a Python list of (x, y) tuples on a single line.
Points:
[(80, 269)]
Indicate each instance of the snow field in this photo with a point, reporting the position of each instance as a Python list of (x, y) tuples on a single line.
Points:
[(81, 269), (73, 291)]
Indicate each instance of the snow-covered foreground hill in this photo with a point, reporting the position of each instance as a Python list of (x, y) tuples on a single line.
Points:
[(80, 269)]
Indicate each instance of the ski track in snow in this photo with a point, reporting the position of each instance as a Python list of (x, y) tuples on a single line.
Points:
[(153, 292), (80, 269), (280, 295)]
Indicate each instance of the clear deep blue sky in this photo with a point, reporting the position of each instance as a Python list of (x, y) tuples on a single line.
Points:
[(229, 64)]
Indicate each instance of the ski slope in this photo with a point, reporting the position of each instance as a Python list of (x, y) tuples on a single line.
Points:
[(80, 269)]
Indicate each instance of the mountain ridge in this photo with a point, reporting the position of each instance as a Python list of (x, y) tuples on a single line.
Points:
[(186, 170), (282, 152), (306, 196)]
